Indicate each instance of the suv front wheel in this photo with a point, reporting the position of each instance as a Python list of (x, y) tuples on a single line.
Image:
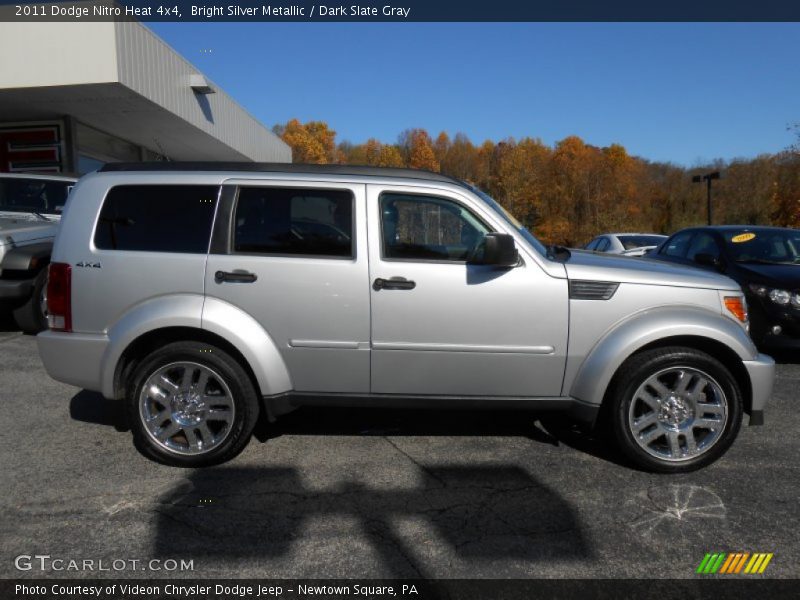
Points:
[(191, 405), (675, 409)]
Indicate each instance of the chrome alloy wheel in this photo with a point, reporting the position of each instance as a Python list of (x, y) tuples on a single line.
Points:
[(186, 408), (678, 414)]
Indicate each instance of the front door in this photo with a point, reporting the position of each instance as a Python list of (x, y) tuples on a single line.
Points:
[(443, 327)]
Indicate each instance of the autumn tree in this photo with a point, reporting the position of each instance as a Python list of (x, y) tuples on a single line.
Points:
[(416, 147), (312, 142)]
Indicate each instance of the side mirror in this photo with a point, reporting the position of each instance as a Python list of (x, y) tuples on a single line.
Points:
[(496, 249), (708, 260)]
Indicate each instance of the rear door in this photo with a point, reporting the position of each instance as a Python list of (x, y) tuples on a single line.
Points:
[(293, 256), (443, 327)]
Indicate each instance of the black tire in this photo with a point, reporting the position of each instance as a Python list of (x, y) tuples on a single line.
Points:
[(636, 370), (243, 395), (29, 317)]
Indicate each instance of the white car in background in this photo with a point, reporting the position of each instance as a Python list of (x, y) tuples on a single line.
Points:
[(627, 244), (30, 212)]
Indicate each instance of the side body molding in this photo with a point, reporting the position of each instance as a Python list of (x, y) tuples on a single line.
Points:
[(643, 328), (250, 338)]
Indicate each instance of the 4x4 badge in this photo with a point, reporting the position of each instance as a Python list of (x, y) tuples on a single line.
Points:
[(87, 264)]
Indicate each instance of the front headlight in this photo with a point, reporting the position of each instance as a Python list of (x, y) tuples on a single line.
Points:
[(776, 295), (781, 297)]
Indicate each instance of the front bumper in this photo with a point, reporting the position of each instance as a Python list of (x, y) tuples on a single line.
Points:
[(73, 358), (761, 371)]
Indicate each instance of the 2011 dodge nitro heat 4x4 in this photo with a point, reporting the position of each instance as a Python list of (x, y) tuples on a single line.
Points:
[(205, 293)]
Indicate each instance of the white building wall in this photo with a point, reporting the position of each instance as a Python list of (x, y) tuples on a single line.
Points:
[(39, 54), (148, 66)]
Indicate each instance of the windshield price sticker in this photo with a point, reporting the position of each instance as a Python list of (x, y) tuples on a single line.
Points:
[(743, 237)]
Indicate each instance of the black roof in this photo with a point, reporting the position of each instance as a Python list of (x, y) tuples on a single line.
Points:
[(251, 167)]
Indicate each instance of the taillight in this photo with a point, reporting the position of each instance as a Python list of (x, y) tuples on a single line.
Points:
[(59, 297)]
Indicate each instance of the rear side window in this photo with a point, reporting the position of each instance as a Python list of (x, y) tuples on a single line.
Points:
[(157, 218), (294, 221)]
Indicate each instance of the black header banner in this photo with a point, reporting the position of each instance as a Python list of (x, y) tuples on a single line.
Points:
[(400, 11)]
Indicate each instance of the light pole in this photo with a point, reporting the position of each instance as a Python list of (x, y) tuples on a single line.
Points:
[(708, 177)]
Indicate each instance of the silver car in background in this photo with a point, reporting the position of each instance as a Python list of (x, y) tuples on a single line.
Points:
[(207, 294), (627, 244)]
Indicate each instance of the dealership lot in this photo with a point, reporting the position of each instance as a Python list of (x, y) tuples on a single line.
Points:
[(368, 493)]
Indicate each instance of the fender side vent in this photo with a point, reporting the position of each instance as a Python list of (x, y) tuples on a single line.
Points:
[(592, 290)]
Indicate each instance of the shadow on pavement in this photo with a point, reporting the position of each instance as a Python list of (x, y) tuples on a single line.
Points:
[(91, 407), (498, 512)]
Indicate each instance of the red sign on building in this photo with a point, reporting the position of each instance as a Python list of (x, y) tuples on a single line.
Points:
[(31, 148)]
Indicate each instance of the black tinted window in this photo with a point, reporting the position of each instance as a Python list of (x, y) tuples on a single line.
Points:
[(294, 221), (157, 218), (33, 195)]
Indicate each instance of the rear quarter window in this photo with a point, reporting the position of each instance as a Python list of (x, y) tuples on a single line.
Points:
[(157, 218)]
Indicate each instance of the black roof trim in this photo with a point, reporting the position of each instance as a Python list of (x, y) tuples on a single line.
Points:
[(357, 170)]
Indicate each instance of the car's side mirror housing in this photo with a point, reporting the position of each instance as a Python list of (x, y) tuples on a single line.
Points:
[(708, 260), (495, 249)]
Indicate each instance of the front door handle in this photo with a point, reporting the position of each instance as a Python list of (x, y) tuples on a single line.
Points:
[(394, 283), (235, 276)]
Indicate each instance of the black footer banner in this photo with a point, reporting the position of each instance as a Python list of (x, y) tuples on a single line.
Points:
[(386, 589)]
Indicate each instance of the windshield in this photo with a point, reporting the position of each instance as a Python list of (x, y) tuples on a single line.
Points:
[(509, 218), (629, 242), (770, 246), (33, 195)]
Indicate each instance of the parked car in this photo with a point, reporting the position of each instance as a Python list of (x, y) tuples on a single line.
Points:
[(764, 261), (186, 291), (30, 210), (628, 244)]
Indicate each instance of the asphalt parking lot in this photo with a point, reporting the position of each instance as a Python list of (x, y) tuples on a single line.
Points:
[(368, 493)]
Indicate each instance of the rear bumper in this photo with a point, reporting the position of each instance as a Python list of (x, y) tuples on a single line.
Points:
[(73, 358), (762, 376)]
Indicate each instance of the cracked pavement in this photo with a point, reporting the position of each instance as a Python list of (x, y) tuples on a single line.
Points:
[(379, 493)]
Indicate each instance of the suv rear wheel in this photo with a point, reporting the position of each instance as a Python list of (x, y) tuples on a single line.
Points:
[(191, 405), (675, 409)]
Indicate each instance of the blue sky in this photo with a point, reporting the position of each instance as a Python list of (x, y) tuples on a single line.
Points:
[(684, 93)]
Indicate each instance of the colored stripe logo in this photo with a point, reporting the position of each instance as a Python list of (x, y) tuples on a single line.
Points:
[(734, 563)]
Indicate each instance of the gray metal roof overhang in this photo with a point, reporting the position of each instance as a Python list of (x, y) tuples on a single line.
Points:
[(119, 111)]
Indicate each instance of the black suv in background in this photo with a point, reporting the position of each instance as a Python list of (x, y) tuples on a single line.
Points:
[(765, 261)]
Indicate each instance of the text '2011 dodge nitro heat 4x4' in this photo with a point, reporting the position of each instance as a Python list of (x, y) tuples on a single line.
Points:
[(202, 294)]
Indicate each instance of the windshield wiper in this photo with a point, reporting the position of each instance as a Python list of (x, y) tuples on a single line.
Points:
[(761, 261)]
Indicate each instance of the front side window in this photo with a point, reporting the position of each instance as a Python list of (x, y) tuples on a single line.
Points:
[(294, 221), (603, 245), (678, 244), (428, 228), (157, 218), (703, 243)]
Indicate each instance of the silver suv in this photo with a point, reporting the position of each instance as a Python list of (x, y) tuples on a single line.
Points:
[(206, 294)]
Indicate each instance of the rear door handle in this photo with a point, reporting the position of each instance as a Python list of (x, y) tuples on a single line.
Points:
[(235, 276), (394, 283)]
